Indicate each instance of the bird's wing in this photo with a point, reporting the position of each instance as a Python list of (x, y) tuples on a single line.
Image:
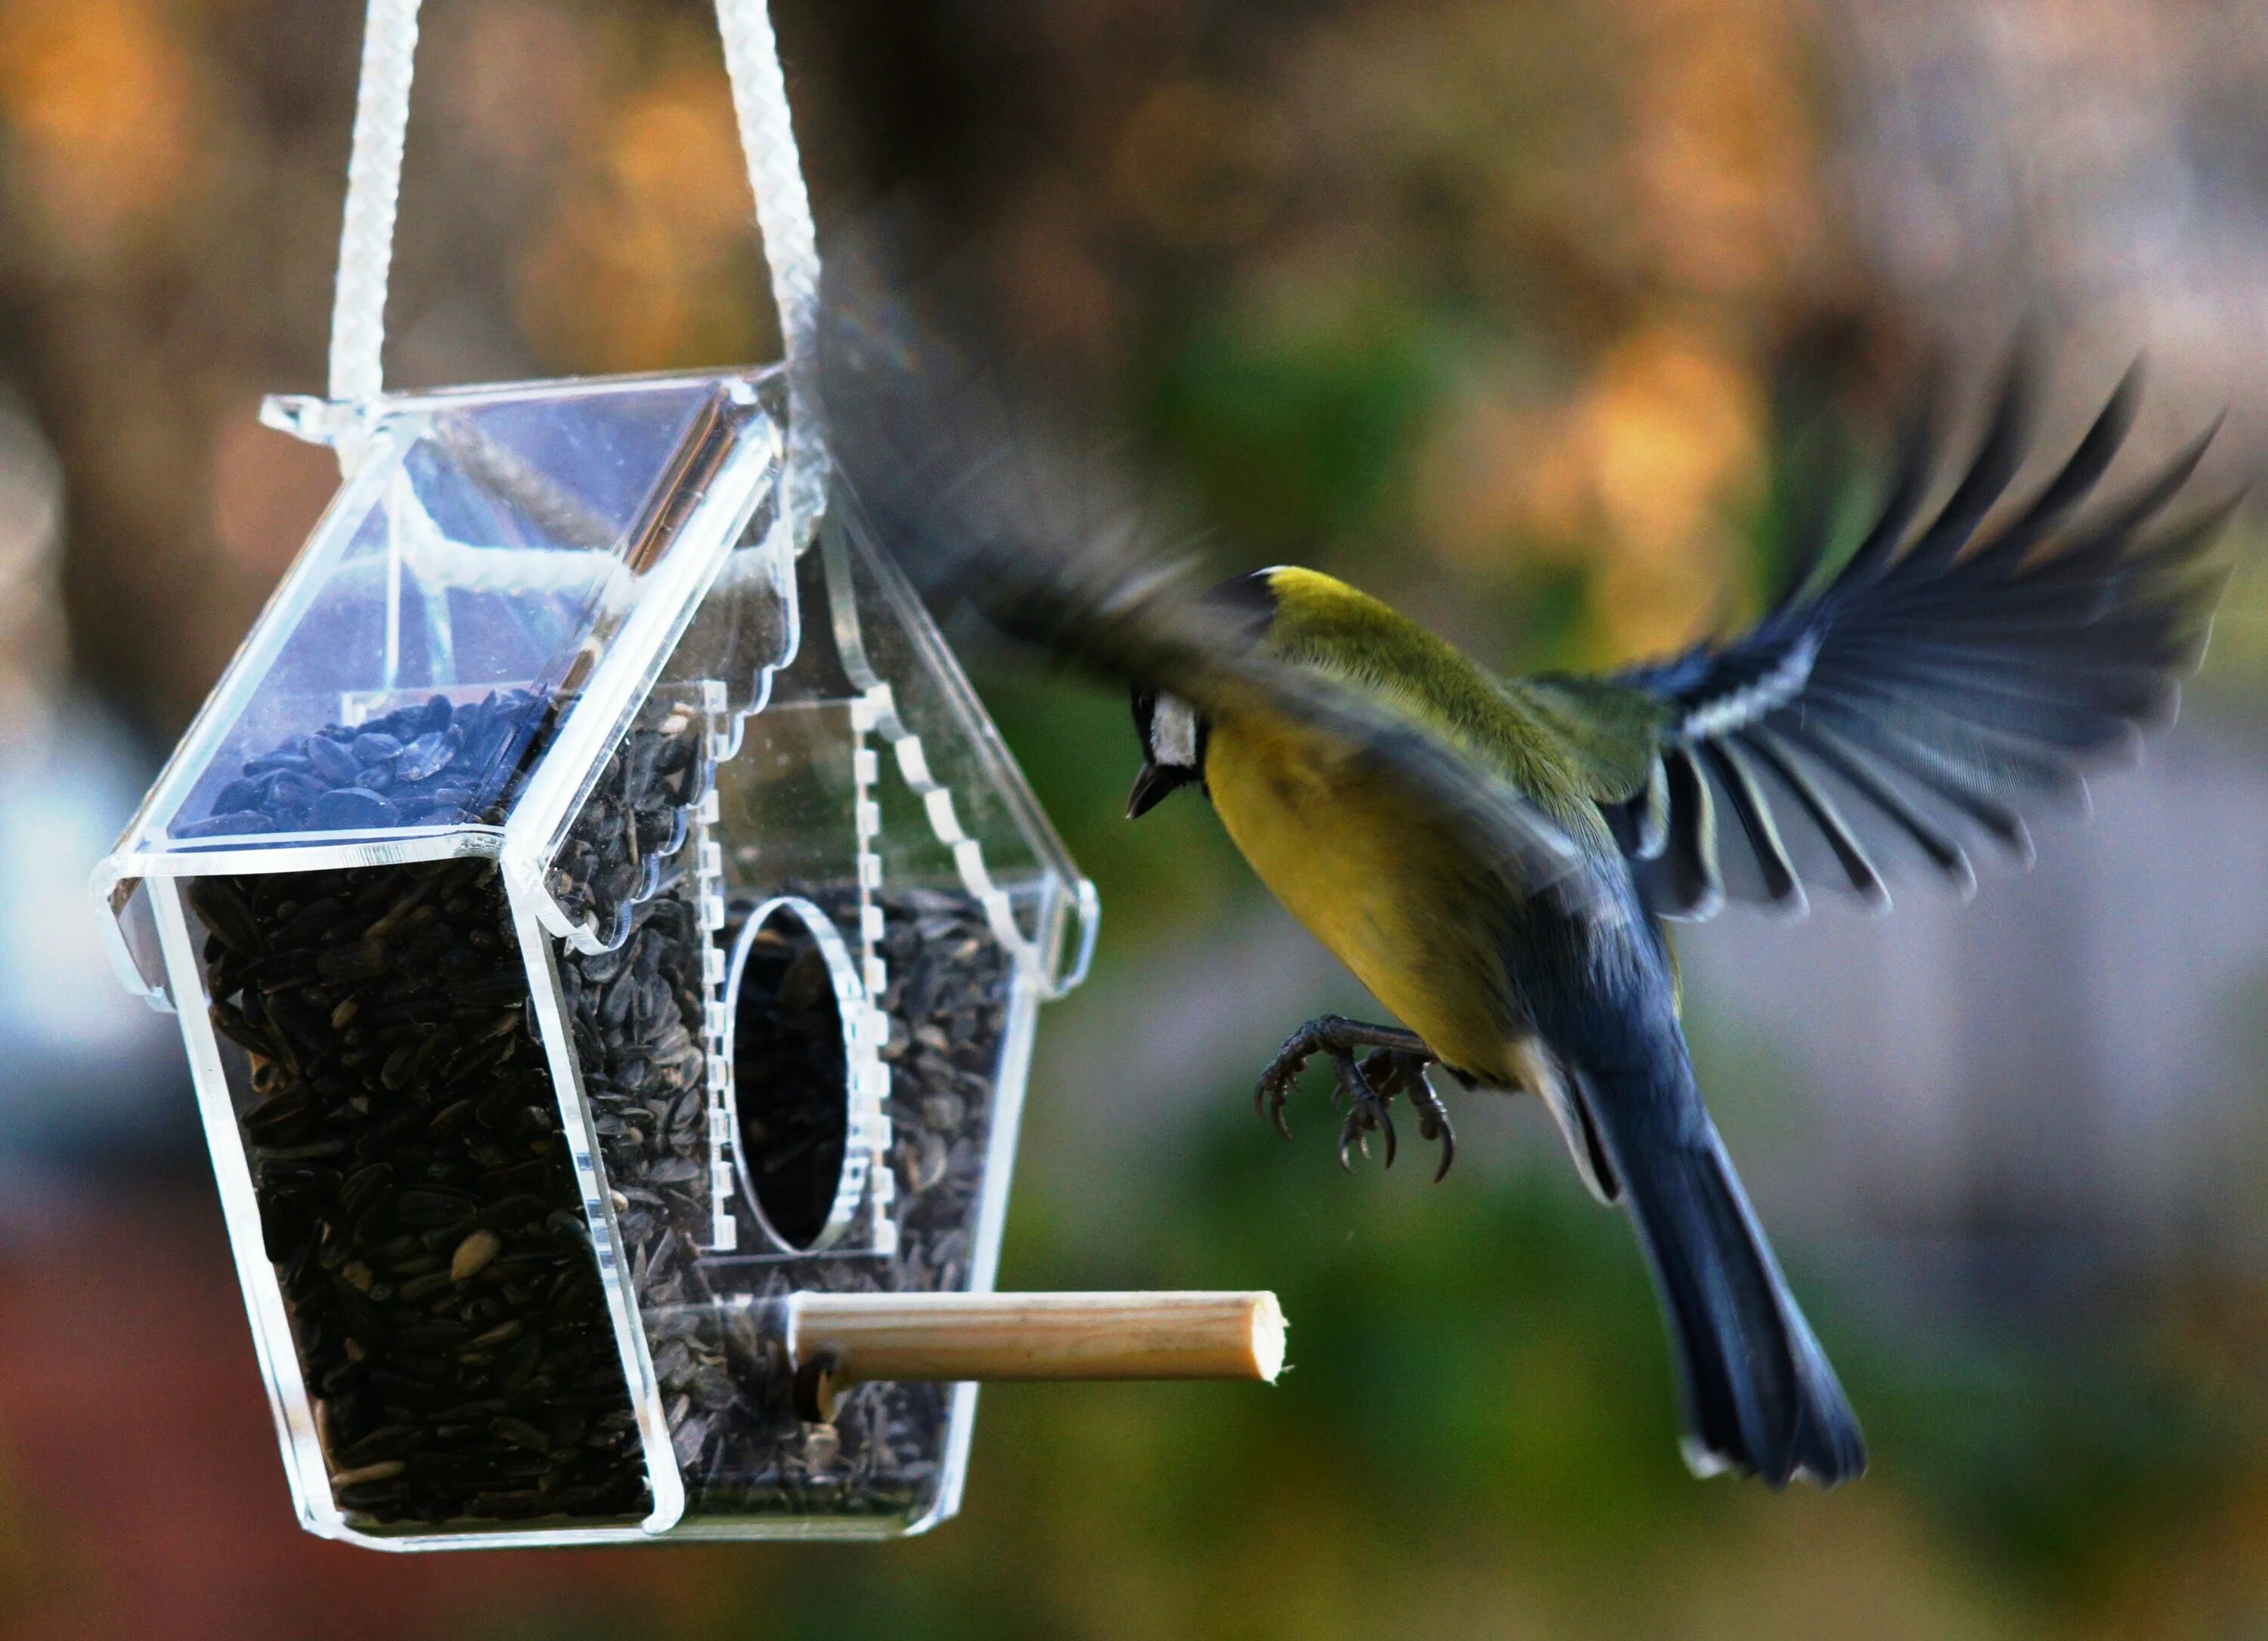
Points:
[(1039, 535), (1932, 689)]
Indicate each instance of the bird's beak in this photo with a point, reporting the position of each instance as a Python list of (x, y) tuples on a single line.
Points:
[(1155, 781)]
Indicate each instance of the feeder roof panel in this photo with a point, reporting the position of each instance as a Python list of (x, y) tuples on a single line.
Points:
[(497, 583)]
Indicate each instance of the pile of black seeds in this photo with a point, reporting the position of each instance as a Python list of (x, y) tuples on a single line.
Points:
[(790, 1075), (638, 1016), (433, 764), (415, 1191), (416, 1198), (634, 820), (946, 1004), (634, 1011)]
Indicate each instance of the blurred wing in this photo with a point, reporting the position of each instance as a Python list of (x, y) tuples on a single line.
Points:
[(1056, 552), (1933, 689)]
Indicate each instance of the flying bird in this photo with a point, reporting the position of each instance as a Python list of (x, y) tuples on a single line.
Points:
[(1497, 858)]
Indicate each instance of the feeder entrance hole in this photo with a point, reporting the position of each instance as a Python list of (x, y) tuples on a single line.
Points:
[(791, 996)]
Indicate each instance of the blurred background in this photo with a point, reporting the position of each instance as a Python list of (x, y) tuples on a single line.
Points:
[(1520, 312)]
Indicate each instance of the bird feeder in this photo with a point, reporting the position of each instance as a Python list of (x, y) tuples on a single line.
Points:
[(608, 935)]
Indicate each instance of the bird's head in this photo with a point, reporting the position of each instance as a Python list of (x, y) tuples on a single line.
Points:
[(1173, 729), (1172, 748)]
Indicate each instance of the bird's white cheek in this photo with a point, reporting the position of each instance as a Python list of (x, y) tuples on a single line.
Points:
[(1174, 734)]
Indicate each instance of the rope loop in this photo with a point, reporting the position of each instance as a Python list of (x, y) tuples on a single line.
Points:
[(768, 144)]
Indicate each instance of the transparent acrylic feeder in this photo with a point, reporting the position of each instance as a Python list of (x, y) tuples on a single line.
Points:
[(591, 923)]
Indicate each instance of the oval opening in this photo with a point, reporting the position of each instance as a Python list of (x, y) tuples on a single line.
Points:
[(791, 991)]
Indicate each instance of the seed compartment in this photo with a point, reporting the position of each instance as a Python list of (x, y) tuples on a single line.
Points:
[(416, 1198)]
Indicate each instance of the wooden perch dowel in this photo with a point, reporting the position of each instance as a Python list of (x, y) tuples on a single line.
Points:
[(835, 1339)]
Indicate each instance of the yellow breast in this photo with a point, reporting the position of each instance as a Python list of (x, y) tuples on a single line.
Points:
[(1376, 879)]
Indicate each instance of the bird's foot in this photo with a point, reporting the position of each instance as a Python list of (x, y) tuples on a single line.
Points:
[(1397, 1071), (1396, 1065)]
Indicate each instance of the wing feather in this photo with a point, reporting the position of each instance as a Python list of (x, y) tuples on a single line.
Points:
[(1946, 679), (1783, 888), (1040, 536), (1859, 870)]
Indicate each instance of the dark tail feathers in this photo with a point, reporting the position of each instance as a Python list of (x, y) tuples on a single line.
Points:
[(1759, 1396)]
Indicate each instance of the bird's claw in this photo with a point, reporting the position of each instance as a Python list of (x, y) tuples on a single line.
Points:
[(1274, 1090), (1367, 1113), (1282, 1073), (1396, 1065), (1433, 1115)]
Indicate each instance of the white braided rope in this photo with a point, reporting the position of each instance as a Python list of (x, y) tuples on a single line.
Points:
[(389, 55), (441, 562), (790, 246), (760, 105)]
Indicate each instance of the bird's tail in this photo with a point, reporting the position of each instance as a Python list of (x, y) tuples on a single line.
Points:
[(1759, 1396)]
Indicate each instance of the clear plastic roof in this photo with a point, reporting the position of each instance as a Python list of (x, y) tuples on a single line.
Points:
[(484, 568)]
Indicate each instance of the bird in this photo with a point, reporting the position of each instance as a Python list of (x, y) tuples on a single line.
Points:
[(1499, 859)]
